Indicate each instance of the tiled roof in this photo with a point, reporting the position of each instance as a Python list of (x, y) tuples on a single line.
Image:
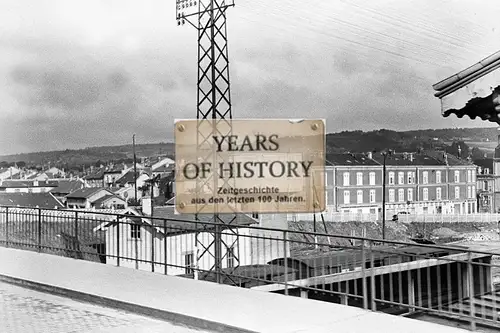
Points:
[(68, 186), (450, 159), (407, 159), (349, 159), (100, 201), (485, 163), (85, 192), (127, 178), (99, 174), (42, 200), (27, 183)]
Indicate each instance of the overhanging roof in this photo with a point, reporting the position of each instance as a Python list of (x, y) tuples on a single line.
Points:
[(469, 92)]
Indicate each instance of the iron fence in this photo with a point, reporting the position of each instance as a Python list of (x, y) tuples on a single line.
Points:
[(417, 280)]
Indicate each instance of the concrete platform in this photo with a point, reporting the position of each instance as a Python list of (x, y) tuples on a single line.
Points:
[(198, 304)]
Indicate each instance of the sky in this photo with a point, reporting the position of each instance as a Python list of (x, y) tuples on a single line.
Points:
[(75, 74)]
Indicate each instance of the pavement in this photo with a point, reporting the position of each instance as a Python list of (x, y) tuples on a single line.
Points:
[(27, 311), (194, 304)]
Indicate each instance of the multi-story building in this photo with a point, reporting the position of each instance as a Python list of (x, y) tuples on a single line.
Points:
[(416, 183), (485, 186)]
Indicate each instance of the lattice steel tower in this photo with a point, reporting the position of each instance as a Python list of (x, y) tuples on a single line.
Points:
[(213, 104)]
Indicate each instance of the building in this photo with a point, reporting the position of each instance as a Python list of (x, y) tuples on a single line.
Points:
[(86, 198), (170, 239), (416, 183), (26, 186), (486, 202), (110, 202), (66, 187), (474, 92), (95, 178), (9, 172), (40, 200)]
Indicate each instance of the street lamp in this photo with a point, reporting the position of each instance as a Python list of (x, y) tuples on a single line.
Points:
[(384, 154)]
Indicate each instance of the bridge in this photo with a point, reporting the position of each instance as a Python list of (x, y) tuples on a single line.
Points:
[(145, 266)]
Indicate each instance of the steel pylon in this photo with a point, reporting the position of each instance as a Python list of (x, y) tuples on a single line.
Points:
[(214, 106)]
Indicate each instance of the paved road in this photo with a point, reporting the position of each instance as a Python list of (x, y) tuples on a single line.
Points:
[(27, 311)]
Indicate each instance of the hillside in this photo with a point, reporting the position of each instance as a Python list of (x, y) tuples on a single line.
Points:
[(483, 140)]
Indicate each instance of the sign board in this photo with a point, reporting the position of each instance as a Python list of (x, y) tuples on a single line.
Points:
[(250, 166)]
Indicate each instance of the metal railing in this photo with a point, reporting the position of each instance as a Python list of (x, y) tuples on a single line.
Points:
[(429, 218), (416, 280)]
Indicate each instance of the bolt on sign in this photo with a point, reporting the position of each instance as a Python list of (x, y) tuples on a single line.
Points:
[(250, 166)]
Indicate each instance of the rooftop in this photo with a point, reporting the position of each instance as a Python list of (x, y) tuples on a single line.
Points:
[(68, 186), (349, 159), (42, 200), (85, 192)]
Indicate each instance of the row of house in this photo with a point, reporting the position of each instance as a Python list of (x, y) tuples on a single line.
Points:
[(416, 183)]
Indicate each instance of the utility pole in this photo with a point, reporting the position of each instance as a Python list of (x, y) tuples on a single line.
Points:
[(213, 102), (135, 170), (384, 154)]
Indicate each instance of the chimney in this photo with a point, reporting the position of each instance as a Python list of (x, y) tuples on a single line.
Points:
[(411, 157), (146, 205), (370, 155)]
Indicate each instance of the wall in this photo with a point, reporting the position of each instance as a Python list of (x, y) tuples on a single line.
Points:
[(174, 248)]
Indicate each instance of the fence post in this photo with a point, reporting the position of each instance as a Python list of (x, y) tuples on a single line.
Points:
[(118, 240), (372, 278), (285, 256), (153, 231), (7, 226), (39, 230), (470, 277), (165, 233), (363, 275), (76, 225)]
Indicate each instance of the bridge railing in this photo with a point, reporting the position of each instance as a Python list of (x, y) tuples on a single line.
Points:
[(428, 218), (381, 275)]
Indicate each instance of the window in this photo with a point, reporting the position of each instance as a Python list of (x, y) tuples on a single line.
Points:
[(469, 192), (457, 176), (457, 192), (410, 194), (473, 176), (347, 197), (391, 195), (372, 178), (135, 231), (401, 195), (485, 185), (359, 195), (401, 178), (189, 263), (255, 216), (473, 192), (438, 193), (438, 177), (372, 196), (359, 178), (346, 178), (469, 176), (230, 257), (425, 194), (410, 177), (425, 177), (391, 178)]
